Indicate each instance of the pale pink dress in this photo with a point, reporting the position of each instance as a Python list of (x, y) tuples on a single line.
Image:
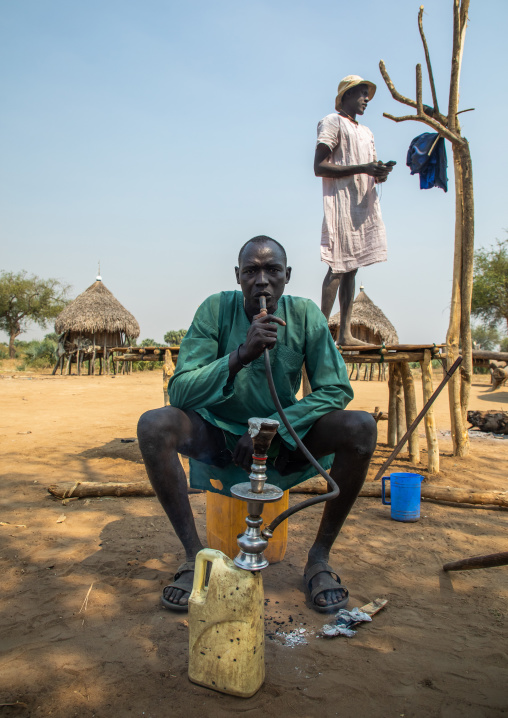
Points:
[(353, 233)]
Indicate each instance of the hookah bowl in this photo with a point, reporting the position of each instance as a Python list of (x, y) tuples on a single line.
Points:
[(256, 492)]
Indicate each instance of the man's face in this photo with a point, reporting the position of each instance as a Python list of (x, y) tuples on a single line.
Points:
[(356, 100), (262, 272)]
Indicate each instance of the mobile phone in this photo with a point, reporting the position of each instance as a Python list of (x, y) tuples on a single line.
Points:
[(391, 163)]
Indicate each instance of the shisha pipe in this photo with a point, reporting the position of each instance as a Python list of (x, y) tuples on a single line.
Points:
[(335, 491), (253, 541)]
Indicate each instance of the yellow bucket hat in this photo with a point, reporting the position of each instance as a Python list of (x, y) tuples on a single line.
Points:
[(349, 82)]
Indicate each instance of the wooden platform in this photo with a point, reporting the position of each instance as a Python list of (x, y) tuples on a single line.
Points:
[(401, 390)]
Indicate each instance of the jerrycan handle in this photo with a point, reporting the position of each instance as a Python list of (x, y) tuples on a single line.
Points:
[(203, 557), (383, 497)]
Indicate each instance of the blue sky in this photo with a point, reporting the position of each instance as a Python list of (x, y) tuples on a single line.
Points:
[(159, 136)]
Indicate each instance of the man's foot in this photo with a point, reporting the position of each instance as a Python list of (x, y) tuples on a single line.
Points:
[(324, 589), (176, 596), (350, 341)]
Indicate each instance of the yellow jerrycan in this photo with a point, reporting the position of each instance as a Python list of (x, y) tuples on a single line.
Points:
[(226, 627)]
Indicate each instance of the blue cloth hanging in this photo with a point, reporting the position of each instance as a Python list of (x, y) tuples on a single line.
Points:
[(426, 156)]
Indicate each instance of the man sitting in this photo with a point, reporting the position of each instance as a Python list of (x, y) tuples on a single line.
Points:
[(220, 382)]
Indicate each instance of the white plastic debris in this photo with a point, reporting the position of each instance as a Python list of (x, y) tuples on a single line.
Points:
[(344, 620)]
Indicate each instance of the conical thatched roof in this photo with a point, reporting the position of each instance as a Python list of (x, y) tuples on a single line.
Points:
[(97, 310), (367, 314)]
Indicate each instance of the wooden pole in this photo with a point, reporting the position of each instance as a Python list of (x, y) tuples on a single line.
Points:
[(399, 403), (466, 289), (93, 355), (430, 422), (411, 412), (392, 406), (168, 370), (487, 561), (415, 423), (459, 332)]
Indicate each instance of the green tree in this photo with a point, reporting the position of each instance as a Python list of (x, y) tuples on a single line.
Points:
[(25, 299), (485, 336), (150, 343), (490, 284), (503, 346), (174, 337)]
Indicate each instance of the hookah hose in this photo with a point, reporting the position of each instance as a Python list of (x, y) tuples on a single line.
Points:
[(331, 483)]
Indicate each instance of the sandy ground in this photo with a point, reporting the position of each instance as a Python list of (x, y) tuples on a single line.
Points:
[(438, 649)]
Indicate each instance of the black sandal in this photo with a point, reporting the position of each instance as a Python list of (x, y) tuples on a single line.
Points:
[(331, 583), (187, 567)]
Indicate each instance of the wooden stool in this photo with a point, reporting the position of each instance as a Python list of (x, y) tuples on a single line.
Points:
[(225, 519)]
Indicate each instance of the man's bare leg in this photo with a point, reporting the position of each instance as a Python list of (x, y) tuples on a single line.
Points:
[(351, 435), (345, 285), (329, 292), (163, 434)]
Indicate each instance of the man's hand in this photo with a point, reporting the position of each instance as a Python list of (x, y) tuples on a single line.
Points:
[(262, 334), (378, 170), (242, 455)]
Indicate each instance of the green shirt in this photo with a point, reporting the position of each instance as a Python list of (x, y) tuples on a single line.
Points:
[(200, 381)]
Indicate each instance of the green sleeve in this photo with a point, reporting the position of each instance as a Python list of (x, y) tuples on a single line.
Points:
[(201, 376), (327, 374)]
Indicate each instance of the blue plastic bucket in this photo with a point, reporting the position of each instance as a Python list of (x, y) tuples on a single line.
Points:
[(405, 490)]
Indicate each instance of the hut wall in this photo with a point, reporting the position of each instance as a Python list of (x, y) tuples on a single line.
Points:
[(364, 334)]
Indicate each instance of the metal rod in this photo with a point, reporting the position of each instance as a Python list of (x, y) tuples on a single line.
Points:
[(420, 416)]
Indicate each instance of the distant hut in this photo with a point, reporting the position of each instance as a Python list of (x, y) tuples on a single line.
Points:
[(91, 325), (369, 324)]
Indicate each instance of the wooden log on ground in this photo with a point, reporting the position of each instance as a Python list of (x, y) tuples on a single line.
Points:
[(90, 489), (96, 488), (411, 412), (430, 422), (316, 485), (487, 561), (372, 489)]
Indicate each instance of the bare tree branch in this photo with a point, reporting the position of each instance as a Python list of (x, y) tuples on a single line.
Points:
[(401, 98), (464, 16), (437, 126), (460, 13), (394, 93), (419, 101), (399, 119), (427, 59)]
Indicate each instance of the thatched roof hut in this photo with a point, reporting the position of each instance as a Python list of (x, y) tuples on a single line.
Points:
[(98, 316), (368, 323)]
